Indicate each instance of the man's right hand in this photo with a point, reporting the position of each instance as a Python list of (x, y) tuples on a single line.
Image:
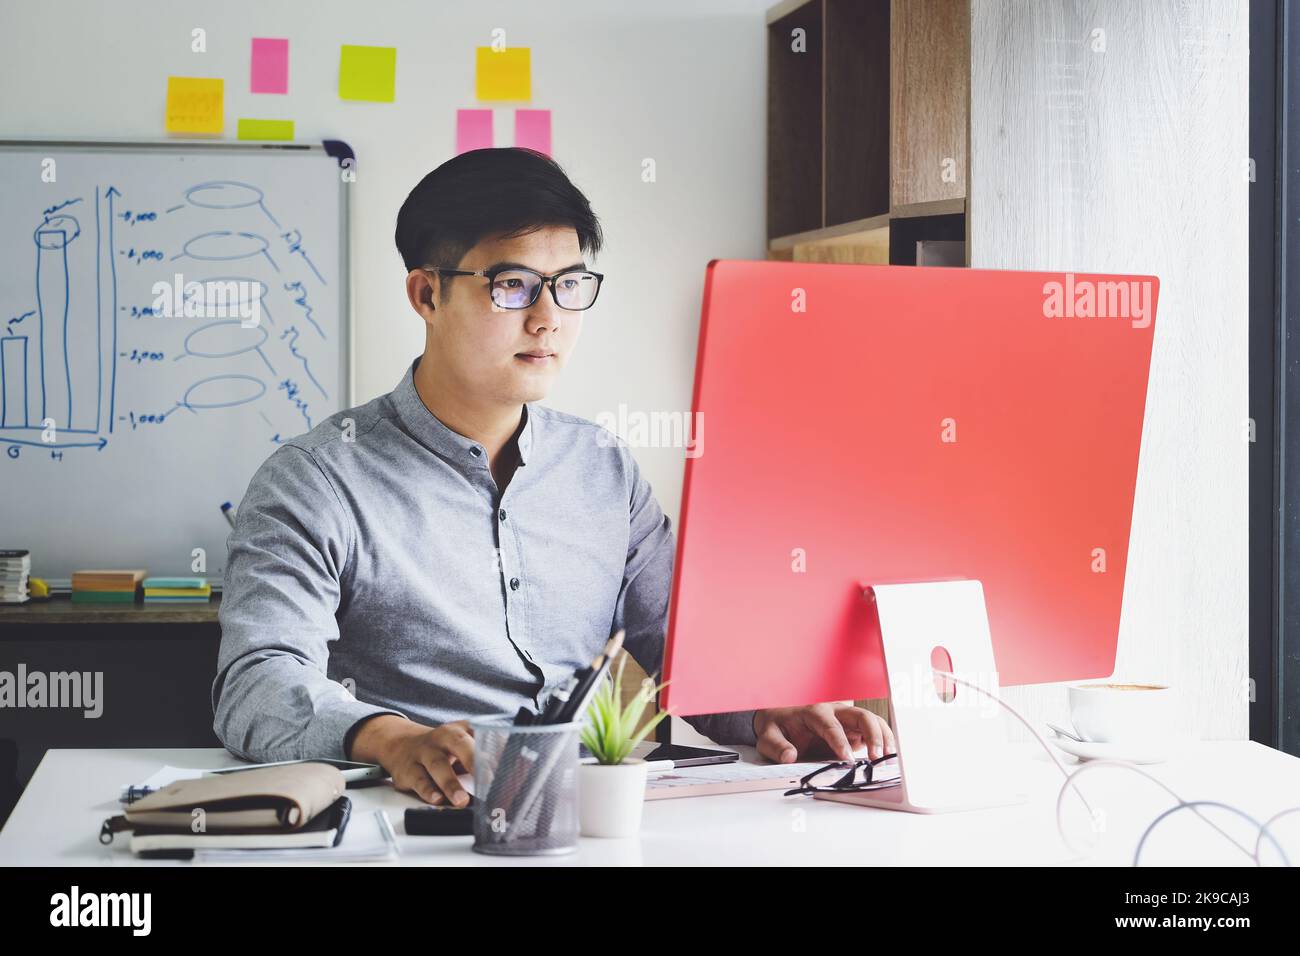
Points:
[(421, 760)]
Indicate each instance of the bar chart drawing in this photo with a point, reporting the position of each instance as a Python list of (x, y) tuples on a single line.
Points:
[(169, 315), (52, 371), (60, 373)]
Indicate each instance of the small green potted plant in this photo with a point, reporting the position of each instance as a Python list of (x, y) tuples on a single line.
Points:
[(611, 791)]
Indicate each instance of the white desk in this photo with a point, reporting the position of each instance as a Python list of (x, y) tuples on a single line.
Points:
[(57, 819)]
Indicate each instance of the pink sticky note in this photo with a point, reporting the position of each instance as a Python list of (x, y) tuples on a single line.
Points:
[(270, 70), (533, 130), (473, 130)]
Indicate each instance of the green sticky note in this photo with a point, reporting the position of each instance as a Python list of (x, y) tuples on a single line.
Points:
[(265, 129), (503, 74), (368, 73)]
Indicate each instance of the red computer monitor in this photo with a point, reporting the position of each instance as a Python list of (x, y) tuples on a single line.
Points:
[(875, 424)]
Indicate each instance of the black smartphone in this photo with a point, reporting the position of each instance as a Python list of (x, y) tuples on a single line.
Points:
[(690, 756)]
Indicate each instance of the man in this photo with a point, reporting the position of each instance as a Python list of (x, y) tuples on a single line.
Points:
[(453, 548)]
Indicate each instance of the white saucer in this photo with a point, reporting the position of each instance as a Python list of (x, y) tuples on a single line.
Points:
[(1139, 753)]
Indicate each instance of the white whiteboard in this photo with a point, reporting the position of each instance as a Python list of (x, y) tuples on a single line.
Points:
[(164, 394)]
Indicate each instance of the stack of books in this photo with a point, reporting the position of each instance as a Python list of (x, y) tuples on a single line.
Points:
[(177, 590), (106, 586), (15, 567)]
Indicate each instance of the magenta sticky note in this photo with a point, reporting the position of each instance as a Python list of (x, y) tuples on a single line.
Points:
[(473, 130), (270, 70), (533, 130)]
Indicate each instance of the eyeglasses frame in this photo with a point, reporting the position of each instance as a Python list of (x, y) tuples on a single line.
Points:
[(548, 281), (851, 767)]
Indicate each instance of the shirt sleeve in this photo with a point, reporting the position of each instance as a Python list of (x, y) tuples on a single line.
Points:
[(642, 609), (286, 560)]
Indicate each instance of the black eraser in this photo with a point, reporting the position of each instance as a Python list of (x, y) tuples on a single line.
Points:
[(439, 821)]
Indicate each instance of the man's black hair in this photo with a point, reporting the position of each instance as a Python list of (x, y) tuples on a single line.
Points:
[(504, 192)]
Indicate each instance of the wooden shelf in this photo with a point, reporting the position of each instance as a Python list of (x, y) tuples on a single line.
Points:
[(935, 207), (845, 233), (863, 240), (867, 126), (60, 609)]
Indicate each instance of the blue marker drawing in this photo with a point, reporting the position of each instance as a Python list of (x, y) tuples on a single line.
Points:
[(47, 352), (13, 382), (227, 194), (99, 320), (301, 301), (291, 391), (294, 240), (236, 299), (63, 205), (214, 383), (292, 334), (275, 439), (109, 194), (52, 238), (222, 244), (251, 343), (97, 444), (18, 319)]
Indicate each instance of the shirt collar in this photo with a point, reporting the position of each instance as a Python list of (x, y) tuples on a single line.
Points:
[(426, 426)]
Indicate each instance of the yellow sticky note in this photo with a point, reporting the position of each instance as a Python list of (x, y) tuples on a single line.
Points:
[(265, 129), (195, 104), (368, 73), (505, 74)]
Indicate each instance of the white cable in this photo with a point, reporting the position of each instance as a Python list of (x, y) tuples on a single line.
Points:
[(1071, 783), (1268, 825), (1137, 853)]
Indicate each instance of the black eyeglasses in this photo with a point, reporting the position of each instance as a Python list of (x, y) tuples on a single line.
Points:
[(515, 287), (842, 777)]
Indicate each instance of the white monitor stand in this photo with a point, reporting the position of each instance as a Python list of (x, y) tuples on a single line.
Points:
[(951, 739)]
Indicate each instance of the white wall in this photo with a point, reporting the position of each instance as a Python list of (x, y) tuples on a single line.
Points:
[(680, 82), (1133, 160)]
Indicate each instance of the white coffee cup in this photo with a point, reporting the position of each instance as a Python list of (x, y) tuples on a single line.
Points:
[(1114, 713)]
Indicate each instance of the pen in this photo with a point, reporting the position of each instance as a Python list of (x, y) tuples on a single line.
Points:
[(577, 704), (559, 697)]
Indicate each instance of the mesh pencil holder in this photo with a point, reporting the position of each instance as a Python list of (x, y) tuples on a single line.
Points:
[(526, 788)]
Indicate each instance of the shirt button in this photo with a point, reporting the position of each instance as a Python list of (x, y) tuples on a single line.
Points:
[(475, 451), (514, 584), (502, 514)]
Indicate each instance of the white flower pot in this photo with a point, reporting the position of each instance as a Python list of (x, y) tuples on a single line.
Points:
[(610, 798)]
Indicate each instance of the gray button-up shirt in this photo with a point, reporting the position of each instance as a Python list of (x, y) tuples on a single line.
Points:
[(375, 567)]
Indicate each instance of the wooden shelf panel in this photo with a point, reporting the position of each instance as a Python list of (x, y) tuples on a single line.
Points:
[(845, 233), (861, 241), (794, 122), (929, 63), (937, 207), (856, 163)]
